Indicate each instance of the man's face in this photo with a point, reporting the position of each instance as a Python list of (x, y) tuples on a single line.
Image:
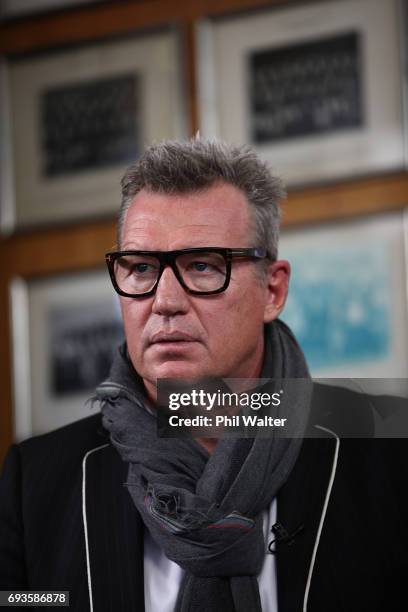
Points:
[(222, 333)]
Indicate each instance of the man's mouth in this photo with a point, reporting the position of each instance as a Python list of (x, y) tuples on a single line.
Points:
[(166, 338)]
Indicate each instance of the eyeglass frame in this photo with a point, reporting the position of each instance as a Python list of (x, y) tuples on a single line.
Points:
[(168, 258)]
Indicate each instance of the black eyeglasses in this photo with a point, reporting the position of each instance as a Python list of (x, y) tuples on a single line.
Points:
[(200, 271)]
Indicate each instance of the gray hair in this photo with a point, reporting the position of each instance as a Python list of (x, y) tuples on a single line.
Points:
[(176, 167)]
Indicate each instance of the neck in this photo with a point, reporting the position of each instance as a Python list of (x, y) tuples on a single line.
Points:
[(208, 443)]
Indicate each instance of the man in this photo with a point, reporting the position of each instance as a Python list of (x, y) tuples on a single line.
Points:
[(126, 520)]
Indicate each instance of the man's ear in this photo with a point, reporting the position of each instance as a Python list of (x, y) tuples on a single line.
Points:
[(276, 288)]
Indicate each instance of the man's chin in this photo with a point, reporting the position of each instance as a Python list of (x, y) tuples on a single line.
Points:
[(179, 369)]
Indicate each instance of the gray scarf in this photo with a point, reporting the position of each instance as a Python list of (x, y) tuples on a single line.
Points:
[(205, 512)]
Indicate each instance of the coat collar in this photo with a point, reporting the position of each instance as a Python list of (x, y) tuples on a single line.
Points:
[(113, 534), (302, 505)]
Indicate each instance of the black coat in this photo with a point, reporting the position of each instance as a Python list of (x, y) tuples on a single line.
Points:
[(68, 523)]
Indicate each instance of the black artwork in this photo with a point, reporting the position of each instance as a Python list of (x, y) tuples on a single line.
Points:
[(306, 88), (89, 125)]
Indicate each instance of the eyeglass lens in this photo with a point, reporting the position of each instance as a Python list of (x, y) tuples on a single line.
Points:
[(204, 271)]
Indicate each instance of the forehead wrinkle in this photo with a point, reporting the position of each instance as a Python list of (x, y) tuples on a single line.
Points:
[(199, 225), (145, 229)]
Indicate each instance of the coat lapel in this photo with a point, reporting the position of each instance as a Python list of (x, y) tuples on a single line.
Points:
[(114, 532), (300, 506)]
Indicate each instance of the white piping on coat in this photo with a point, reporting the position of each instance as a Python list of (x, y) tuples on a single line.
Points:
[(323, 515), (88, 565)]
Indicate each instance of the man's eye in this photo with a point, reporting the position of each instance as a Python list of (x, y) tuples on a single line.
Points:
[(201, 266), (141, 268)]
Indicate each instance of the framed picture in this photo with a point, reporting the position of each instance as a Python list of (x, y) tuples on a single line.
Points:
[(77, 118), (347, 301), (316, 88), (66, 330), (19, 8)]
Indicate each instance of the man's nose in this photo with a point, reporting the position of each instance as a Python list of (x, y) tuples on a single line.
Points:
[(170, 297)]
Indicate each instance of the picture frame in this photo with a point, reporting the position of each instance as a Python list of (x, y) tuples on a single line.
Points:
[(316, 88), (65, 329), (74, 119), (347, 302)]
